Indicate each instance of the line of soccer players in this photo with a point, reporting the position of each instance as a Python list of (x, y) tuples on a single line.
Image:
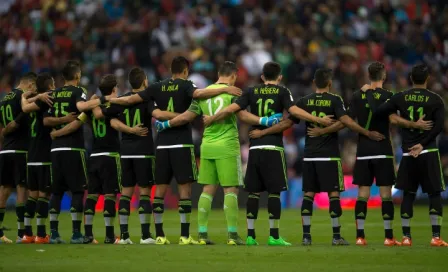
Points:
[(59, 164)]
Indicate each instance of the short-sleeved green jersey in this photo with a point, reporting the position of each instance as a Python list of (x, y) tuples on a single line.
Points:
[(220, 140)]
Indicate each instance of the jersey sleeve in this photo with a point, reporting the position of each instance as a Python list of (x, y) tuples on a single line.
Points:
[(190, 88), (388, 107), (147, 94), (111, 110), (243, 100), (81, 95), (151, 107), (292, 117), (287, 99), (195, 107), (339, 107)]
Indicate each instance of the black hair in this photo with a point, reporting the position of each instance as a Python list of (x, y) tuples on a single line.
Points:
[(179, 64), (70, 69), (136, 77), (43, 82), (107, 84), (271, 70), (376, 71), (322, 77), (419, 74)]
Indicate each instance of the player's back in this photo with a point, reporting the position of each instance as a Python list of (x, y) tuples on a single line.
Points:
[(10, 109), (266, 100), (413, 104), (321, 105), (105, 138), (173, 95), (134, 115), (40, 140), (220, 140), (64, 103), (361, 110)]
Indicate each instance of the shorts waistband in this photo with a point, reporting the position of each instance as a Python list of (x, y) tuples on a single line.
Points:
[(267, 147), (38, 163), (67, 149), (13, 151), (423, 151), (137, 157), (321, 159), (174, 146), (374, 157), (109, 154)]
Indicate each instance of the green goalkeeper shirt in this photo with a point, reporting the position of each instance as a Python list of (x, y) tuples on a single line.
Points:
[(220, 139)]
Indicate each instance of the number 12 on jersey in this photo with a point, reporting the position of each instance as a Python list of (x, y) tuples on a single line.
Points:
[(216, 101)]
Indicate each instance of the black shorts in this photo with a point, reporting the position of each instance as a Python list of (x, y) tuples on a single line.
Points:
[(179, 163), (382, 170), (69, 171), (137, 171), (104, 174), (13, 168), (40, 176), (266, 171), (322, 176), (425, 170)]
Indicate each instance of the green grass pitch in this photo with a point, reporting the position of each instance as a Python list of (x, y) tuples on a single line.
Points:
[(319, 257)]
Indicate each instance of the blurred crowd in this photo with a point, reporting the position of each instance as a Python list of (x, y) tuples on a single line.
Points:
[(111, 36)]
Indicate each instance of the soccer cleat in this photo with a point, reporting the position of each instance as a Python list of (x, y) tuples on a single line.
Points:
[(5, 240), (55, 238), (406, 241), (148, 241), (235, 240), (277, 242), (391, 242), (187, 241), (77, 238), (339, 242), (250, 241), (111, 241), (125, 242), (438, 242), (306, 241), (203, 239), (28, 239), (42, 240), (161, 240), (361, 241), (89, 240)]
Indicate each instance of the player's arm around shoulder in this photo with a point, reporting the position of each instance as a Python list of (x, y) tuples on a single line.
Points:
[(70, 127)]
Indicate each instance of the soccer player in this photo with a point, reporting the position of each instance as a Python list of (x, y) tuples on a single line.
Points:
[(104, 163), (13, 156), (175, 95), (39, 163), (266, 170), (220, 154), (137, 155), (322, 170), (374, 158), (420, 165), (68, 153)]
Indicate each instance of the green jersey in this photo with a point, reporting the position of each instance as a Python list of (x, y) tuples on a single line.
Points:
[(220, 140)]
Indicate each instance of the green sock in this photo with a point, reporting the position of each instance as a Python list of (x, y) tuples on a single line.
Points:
[(204, 208), (231, 211)]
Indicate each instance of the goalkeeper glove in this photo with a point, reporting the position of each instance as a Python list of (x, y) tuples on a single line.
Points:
[(161, 126), (271, 120)]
